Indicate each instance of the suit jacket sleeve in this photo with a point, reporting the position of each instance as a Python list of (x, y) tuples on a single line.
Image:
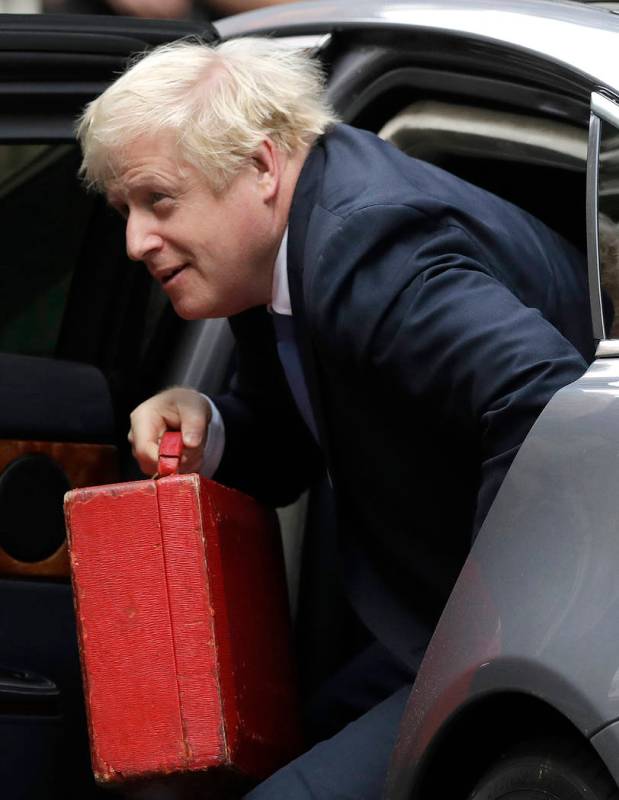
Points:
[(269, 452), (412, 299)]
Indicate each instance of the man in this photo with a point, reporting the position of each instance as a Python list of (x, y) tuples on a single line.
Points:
[(394, 324)]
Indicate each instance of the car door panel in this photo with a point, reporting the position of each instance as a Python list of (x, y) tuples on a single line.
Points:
[(56, 432)]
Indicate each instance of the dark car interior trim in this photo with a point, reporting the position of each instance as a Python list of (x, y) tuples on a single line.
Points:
[(147, 31), (476, 87)]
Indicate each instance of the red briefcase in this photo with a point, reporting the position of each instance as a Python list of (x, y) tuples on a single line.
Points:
[(183, 627)]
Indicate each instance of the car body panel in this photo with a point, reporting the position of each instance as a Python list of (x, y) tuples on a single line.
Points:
[(606, 742), (535, 608)]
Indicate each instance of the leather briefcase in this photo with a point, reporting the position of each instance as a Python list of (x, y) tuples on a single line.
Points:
[(183, 628)]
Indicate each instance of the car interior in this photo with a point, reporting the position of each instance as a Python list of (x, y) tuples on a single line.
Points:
[(85, 336)]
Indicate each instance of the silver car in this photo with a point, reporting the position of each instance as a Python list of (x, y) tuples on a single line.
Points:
[(518, 695)]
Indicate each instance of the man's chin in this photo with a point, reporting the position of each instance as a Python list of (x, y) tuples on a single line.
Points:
[(190, 308), (192, 311)]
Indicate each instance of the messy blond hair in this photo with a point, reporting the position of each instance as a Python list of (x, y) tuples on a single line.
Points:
[(219, 103)]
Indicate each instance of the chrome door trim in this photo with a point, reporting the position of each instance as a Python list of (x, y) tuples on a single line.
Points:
[(593, 253), (608, 348), (605, 109)]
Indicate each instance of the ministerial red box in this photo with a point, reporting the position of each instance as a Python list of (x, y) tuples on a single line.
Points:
[(183, 629)]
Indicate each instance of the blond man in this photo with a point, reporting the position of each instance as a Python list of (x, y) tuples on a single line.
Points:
[(395, 326)]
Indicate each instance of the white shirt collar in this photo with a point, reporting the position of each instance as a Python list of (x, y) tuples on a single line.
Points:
[(280, 293)]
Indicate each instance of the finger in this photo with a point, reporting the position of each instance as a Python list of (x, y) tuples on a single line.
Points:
[(147, 430), (177, 408), (195, 417), (147, 457)]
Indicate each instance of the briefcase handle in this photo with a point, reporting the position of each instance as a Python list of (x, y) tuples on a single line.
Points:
[(170, 451)]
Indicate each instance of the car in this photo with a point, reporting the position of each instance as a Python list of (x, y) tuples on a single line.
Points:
[(519, 690)]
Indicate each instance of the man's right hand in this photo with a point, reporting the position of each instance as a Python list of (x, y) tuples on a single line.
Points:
[(174, 409)]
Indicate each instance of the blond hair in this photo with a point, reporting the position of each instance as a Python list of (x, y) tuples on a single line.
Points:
[(219, 102)]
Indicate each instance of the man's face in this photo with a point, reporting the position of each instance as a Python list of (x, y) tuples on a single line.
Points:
[(212, 253)]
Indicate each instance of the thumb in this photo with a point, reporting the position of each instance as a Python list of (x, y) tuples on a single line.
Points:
[(194, 423), (192, 436)]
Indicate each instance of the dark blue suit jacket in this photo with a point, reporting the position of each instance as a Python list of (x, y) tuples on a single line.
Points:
[(435, 321)]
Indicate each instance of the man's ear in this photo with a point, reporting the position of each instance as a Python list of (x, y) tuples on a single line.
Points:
[(266, 163)]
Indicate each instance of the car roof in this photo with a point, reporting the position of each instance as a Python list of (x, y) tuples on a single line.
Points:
[(580, 37)]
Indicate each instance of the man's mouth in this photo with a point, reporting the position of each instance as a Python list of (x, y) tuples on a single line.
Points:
[(168, 275)]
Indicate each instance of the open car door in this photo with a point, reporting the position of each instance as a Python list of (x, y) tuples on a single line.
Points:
[(80, 342)]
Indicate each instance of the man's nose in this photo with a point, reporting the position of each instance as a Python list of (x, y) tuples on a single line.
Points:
[(141, 238)]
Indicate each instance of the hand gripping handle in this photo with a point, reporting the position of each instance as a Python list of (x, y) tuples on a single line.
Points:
[(170, 451)]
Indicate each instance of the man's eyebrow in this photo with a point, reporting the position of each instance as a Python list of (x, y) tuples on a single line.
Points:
[(149, 182)]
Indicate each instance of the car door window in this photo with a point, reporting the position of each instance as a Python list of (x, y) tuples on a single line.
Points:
[(43, 212)]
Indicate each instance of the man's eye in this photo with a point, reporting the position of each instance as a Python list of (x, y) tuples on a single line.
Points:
[(157, 197)]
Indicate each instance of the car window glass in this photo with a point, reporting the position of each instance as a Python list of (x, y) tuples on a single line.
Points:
[(608, 223), (43, 211)]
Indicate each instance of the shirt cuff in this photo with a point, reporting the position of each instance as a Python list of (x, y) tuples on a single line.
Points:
[(215, 442)]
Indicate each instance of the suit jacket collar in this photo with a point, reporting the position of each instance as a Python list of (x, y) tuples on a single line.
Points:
[(304, 199)]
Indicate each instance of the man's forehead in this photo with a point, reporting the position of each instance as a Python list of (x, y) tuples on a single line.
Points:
[(143, 161), (147, 152)]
